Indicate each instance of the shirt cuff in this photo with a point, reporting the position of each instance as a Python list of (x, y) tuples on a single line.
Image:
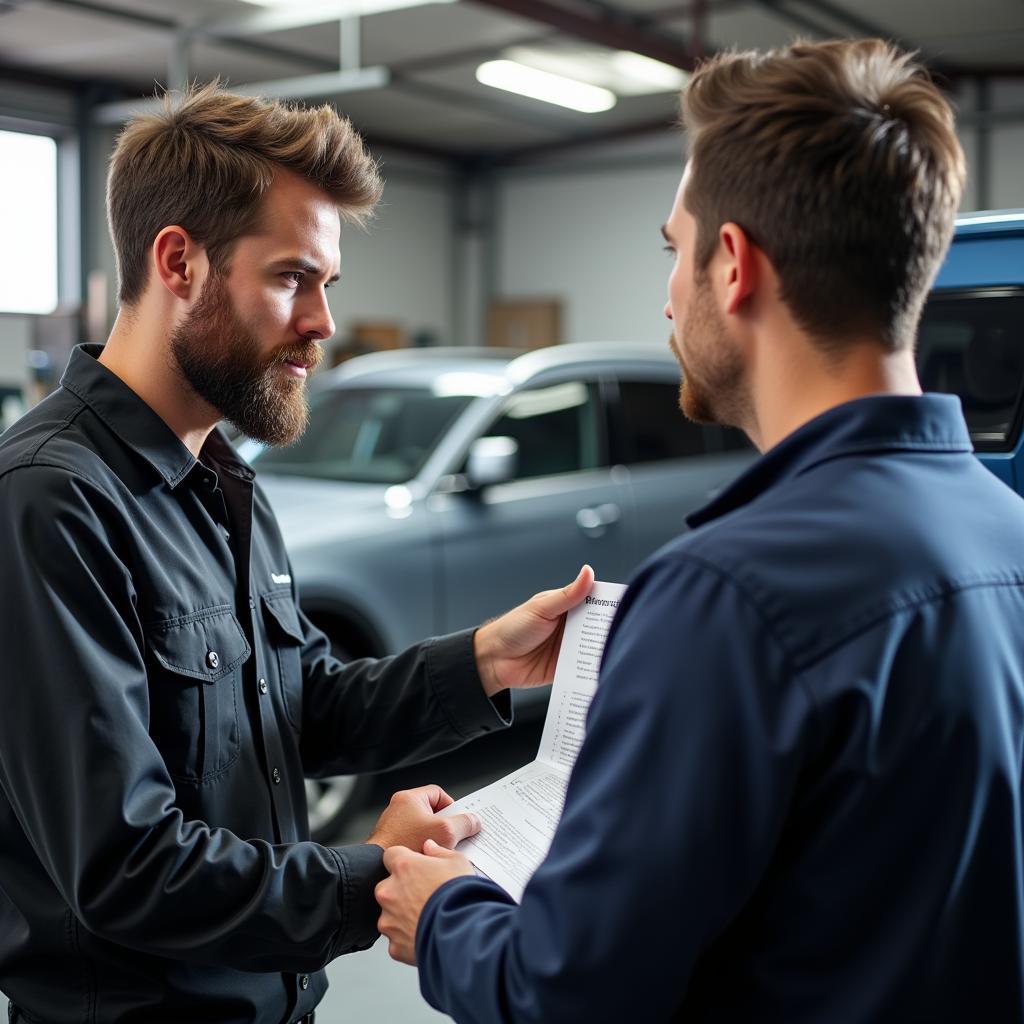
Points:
[(442, 918), (453, 674), (361, 867)]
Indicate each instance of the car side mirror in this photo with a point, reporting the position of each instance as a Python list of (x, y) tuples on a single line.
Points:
[(491, 460)]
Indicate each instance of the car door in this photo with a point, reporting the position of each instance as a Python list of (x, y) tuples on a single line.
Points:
[(564, 506), (673, 466)]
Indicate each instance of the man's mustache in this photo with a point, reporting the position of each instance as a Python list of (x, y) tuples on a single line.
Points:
[(309, 353)]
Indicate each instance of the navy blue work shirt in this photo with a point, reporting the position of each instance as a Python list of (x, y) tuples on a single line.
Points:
[(161, 698), (799, 798)]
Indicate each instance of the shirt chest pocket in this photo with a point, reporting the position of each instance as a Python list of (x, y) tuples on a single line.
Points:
[(194, 691), (286, 638)]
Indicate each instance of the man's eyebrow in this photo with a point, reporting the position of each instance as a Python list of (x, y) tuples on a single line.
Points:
[(306, 266), (665, 234)]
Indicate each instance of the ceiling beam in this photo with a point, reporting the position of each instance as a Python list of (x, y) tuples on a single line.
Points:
[(614, 30)]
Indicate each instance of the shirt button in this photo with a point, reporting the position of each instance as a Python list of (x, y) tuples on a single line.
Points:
[(263, 686), (212, 659), (276, 776), (304, 981)]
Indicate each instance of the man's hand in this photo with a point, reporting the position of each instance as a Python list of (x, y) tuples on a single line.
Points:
[(521, 647), (411, 818), (414, 878)]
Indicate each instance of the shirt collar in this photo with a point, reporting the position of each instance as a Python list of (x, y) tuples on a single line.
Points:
[(136, 423), (923, 423)]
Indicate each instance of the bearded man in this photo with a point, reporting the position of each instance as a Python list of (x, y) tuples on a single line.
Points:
[(155, 862)]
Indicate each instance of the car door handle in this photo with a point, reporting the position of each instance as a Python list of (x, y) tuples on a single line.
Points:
[(595, 520)]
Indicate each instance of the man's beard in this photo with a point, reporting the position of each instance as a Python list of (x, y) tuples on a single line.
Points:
[(220, 358), (713, 388)]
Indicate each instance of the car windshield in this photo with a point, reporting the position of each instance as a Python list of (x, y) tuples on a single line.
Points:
[(367, 435)]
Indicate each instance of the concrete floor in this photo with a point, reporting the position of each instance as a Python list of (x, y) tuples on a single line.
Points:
[(370, 986)]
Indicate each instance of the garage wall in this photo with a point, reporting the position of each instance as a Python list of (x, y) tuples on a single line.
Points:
[(1007, 185), (401, 269), (589, 236)]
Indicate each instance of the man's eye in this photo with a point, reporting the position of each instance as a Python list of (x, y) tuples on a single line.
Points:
[(294, 276), (669, 249)]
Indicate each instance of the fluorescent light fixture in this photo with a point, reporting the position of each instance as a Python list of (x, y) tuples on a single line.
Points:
[(620, 71), (544, 86), (660, 76), (337, 9)]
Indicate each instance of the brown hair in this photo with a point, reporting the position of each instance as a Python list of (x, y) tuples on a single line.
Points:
[(206, 161), (840, 161)]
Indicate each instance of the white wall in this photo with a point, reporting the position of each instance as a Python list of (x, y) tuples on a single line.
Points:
[(402, 268), (591, 239), (1007, 186)]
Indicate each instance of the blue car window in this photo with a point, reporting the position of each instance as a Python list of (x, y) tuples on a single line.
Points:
[(971, 344)]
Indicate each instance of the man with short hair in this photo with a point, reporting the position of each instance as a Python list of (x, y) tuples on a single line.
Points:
[(799, 797), (163, 695)]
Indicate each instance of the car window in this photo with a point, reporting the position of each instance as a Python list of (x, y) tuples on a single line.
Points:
[(556, 428), (654, 428), (375, 435), (971, 344)]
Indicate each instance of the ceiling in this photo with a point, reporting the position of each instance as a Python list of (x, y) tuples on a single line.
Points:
[(420, 93)]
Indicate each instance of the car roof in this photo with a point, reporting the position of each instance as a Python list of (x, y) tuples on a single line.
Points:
[(420, 367), (990, 222)]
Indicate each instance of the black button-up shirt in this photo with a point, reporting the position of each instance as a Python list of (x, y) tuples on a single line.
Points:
[(161, 699)]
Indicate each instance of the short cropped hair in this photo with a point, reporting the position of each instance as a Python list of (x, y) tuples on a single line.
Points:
[(840, 161), (206, 160)]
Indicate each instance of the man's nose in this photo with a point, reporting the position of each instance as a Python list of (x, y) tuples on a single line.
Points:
[(668, 311), (316, 320)]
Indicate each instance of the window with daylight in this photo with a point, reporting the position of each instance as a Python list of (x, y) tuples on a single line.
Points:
[(28, 213)]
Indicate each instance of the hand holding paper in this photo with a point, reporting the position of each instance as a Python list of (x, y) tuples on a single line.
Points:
[(520, 812), (520, 647)]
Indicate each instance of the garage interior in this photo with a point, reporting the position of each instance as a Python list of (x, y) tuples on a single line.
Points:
[(505, 220)]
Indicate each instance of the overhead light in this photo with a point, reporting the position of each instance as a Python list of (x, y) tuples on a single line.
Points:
[(335, 9), (545, 86), (656, 73), (621, 71)]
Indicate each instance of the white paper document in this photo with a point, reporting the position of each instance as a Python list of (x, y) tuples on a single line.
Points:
[(519, 813)]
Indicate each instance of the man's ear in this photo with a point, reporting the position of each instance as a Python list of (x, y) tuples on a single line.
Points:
[(739, 269), (179, 263)]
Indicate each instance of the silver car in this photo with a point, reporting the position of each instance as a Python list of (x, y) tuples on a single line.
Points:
[(435, 488)]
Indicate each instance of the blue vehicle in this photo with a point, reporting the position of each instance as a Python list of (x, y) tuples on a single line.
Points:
[(971, 341)]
